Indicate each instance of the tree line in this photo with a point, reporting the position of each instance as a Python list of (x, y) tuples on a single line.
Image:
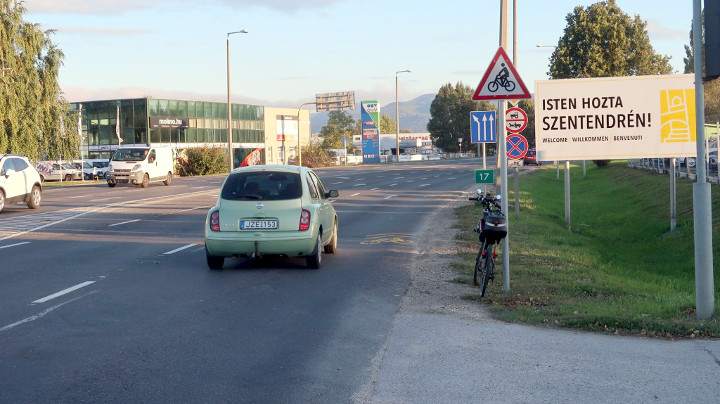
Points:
[(35, 120)]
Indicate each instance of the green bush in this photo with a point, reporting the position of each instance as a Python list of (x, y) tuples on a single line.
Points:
[(315, 156), (203, 161)]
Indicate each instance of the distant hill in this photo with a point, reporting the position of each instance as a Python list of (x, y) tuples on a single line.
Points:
[(414, 114)]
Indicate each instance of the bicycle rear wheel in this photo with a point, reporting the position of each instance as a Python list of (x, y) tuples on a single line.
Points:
[(487, 270)]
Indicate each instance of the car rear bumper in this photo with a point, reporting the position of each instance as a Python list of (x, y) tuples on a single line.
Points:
[(228, 244)]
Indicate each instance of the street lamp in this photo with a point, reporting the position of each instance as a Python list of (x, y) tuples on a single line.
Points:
[(229, 106), (397, 113)]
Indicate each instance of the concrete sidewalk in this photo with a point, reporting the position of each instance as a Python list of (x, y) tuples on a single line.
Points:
[(443, 349)]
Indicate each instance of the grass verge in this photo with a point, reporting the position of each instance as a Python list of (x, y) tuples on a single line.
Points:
[(619, 269)]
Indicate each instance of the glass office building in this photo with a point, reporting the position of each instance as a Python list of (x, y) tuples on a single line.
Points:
[(182, 124)]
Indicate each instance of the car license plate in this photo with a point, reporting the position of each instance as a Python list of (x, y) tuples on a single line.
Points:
[(259, 224)]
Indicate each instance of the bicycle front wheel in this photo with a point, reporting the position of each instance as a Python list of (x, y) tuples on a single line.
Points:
[(479, 267)]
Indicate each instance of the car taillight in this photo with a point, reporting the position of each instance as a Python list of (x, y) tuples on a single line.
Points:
[(304, 220), (215, 221)]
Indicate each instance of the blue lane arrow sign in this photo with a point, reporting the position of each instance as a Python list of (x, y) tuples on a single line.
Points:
[(482, 127)]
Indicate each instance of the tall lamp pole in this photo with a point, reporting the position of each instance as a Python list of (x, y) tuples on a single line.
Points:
[(397, 113), (299, 148), (229, 105)]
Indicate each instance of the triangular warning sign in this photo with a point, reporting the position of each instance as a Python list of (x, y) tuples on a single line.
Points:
[(501, 81)]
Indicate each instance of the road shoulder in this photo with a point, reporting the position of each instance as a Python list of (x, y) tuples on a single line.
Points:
[(442, 348)]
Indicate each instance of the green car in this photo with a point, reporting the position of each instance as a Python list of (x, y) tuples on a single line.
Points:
[(272, 210)]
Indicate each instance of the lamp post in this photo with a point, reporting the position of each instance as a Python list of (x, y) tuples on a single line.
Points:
[(229, 105), (299, 148), (397, 113)]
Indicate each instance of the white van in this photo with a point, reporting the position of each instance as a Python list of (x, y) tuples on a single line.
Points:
[(141, 165)]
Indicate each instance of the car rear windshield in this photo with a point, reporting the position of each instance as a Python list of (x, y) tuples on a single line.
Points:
[(262, 186), (130, 154)]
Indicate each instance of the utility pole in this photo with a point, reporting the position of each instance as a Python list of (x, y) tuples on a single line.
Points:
[(229, 105), (516, 172), (702, 208), (502, 153), (397, 114)]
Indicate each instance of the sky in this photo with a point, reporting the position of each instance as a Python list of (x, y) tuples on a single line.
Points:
[(297, 48)]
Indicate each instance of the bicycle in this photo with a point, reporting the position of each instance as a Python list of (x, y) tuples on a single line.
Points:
[(503, 82), (491, 229)]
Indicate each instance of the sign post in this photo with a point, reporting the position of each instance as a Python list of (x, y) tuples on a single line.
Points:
[(702, 207), (483, 131), (501, 82)]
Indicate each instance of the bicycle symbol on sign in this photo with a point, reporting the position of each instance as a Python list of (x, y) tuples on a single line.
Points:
[(501, 80)]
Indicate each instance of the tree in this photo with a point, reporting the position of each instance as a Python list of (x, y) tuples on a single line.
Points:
[(387, 124), (34, 118), (712, 88), (450, 116), (340, 125), (602, 41)]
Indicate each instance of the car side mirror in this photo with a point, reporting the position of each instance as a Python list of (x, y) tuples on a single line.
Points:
[(7, 173), (332, 194)]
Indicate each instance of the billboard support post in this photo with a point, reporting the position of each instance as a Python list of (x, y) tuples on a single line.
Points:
[(568, 213), (673, 195), (702, 208)]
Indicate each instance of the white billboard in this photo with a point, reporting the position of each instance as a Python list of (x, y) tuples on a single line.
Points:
[(615, 118)]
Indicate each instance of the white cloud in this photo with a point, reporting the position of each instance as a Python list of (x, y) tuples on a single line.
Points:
[(109, 31), (118, 6)]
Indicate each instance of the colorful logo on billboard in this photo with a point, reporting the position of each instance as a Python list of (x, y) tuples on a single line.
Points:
[(370, 118), (677, 116)]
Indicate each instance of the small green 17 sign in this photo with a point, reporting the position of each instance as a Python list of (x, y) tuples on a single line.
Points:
[(484, 176)]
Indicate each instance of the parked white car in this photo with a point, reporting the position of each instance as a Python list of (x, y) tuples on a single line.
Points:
[(57, 171), (141, 165), (89, 172), (101, 167), (19, 182)]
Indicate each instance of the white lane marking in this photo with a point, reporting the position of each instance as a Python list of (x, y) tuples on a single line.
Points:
[(125, 222), (344, 178), (355, 194), (424, 178), (14, 245), (399, 178), (390, 196), (337, 183), (451, 178), (424, 185), (375, 189), (44, 312), (105, 199), (63, 292), (185, 247), (189, 210), (77, 197), (359, 185), (392, 185)]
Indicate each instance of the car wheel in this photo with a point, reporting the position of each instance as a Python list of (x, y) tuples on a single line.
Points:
[(145, 181), (168, 179), (111, 184), (2, 200), (68, 178), (314, 260), (35, 198), (42, 179), (213, 262), (331, 248)]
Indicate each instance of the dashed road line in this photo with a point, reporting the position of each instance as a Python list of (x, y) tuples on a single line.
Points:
[(44, 312), (356, 194), (390, 196), (14, 245), (375, 189), (125, 222), (185, 247), (359, 185), (392, 185), (63, 292), (424, 185)]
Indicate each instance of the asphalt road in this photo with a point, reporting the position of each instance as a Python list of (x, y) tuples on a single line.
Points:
[(106, 296)]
